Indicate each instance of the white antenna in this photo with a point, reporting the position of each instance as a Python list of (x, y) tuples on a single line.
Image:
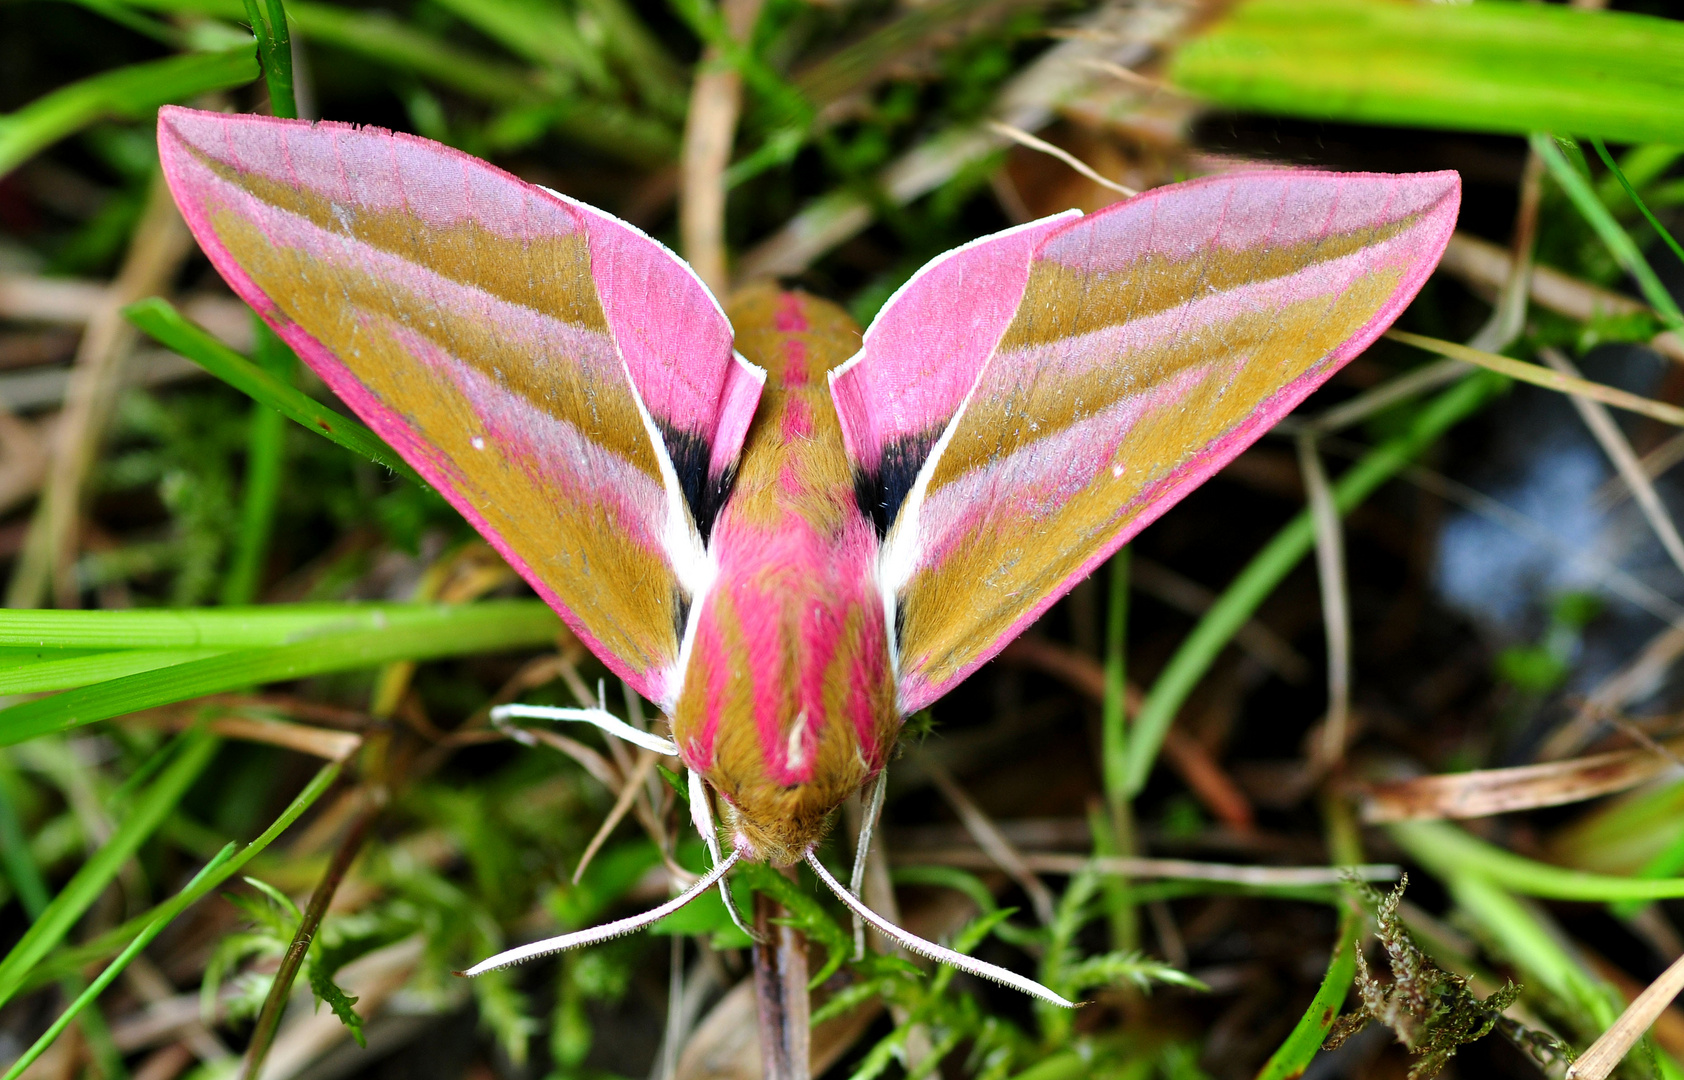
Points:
[(606, 931), (702, 817), (602, 718), (914, 943)]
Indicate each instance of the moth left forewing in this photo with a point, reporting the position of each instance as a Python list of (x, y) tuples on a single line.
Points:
[(1147, 346)]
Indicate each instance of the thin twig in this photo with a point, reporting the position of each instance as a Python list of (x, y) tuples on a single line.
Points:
[(1619, 451), (269, 1019), (1608, 1051), (1538, 375), (1335, 601), (630, 789), (990, 839), (710, 129), (1046, 862), (1018, 135), (159, 245)]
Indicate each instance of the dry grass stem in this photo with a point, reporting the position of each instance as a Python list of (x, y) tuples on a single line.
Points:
[(1486, 266), (710, 130), (630, 789), (159, 246), (1637, 679), (1484, 792), (1335, 601), (990, 839), (1214, 789), (1411, 384), (1538, 375), (1189, 597), (1023, 138), (1619, 451), (1126, 34), (1046, 862), (1604, 1055), (1508, 313), (1655, 464), (372, 979)]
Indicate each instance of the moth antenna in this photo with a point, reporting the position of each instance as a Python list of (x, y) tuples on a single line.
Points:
[(606, 931), (701, 815), (862, 848), (601, 718), (914, 943)]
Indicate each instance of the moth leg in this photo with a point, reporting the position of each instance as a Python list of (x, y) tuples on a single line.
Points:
[(601, 718), (862, 848), (701, 814)]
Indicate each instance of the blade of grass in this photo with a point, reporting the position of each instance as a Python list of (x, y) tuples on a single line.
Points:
[(1637, 200), (1513, 68), (21, 870), (193, 753), (1447, 851), (85, 670), (1615, 238), (454, 630), (1293, 1056), (125, 93), (1538, 375), (74, 959), (1114, 827), (109, 975), (159, 318), (206, 628), (1608, 1051), (274, 45), (1269, 566), (265, 456), (269, 1020)]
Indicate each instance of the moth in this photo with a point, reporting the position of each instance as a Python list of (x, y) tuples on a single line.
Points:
[(786, 534)]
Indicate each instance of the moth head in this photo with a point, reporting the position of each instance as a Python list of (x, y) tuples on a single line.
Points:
[(764, 828)]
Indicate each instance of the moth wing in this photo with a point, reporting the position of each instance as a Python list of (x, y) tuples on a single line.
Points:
[(565, 381), (1030, 402)]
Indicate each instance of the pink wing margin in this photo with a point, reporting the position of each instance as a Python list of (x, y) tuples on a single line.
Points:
[(564, 380), (1029, 403)]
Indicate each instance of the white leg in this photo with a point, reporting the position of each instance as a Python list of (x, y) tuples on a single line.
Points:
[(701, 814), (601, 718), (873, 809)]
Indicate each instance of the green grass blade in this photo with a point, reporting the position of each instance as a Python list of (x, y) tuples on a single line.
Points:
[(67, 961), (265, 455), (1447, 850), (1271, 565), (210, 628), (1531, 946), (452, 631), (1293, 1056), (1615, 238), (84, 670), (125, 93), (1501, 67), (1637, 200), (21, 869), (143, 817), (173, 329), (108, 976)]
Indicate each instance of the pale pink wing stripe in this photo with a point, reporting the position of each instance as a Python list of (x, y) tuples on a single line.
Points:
[(924, 350), (437, 188), (1230, 218), (675, 339)]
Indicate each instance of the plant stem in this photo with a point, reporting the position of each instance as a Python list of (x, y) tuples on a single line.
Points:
[(1271, 565), (269, 1020)]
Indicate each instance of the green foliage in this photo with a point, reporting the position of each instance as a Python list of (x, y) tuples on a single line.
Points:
[(1500, 66), (1431, 1011)]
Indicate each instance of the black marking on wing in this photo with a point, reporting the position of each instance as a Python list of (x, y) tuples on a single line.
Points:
[(881, 494), (704, 494)]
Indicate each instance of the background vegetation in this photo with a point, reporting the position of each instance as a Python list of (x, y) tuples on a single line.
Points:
[(250, 800)]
